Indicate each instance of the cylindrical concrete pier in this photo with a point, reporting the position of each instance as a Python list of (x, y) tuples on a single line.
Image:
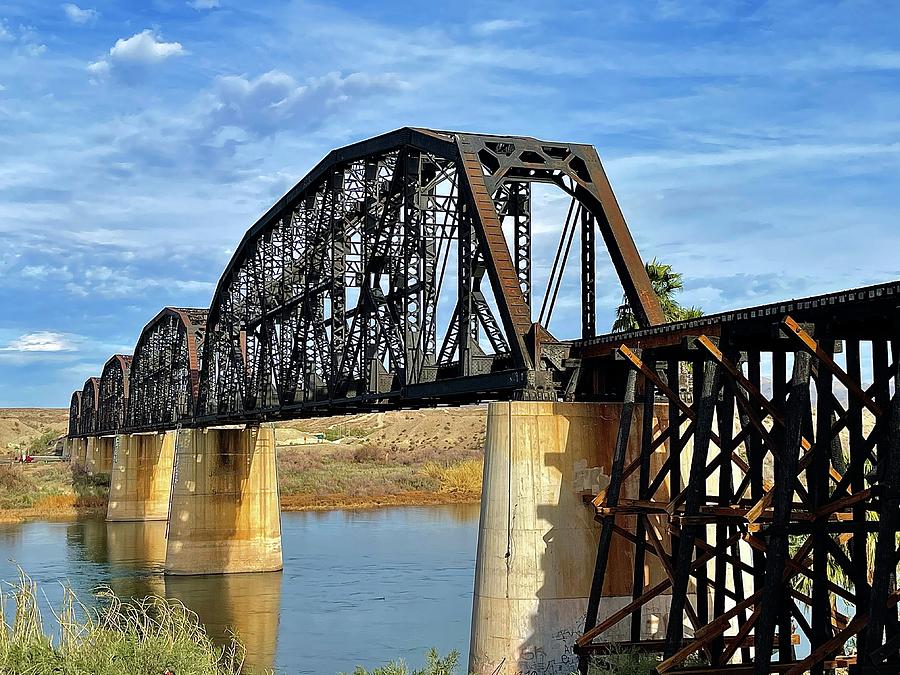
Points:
[(141, 479), (537, 540), (225, 513)]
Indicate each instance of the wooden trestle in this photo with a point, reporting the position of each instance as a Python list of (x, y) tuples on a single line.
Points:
[(793, 418)]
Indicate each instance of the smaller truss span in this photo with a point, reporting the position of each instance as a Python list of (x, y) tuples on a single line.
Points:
[(74, 413), (165, 368), (113, 394), (90, 400)]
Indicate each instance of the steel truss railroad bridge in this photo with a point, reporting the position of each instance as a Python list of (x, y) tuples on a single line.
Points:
[(398, 273)]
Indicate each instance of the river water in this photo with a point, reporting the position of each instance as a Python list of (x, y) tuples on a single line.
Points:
[(358, 587)]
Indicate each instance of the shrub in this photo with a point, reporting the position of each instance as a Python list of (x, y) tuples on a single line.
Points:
[(460, 477), (434, 665), (41, 444), (12, 478), (368, 453), (623, 661)]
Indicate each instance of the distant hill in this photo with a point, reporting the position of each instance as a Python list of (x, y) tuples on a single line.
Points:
[(19, 427)]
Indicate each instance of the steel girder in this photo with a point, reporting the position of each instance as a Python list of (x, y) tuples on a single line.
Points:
[(784, 514), (164, 374), (113, 394), (344, 293)]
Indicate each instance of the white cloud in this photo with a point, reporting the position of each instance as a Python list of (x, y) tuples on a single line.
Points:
[(497, 26), (5, 35), (145, 48), (2, 88), (203, 4), (99, 70), (275, 100), (40, 341), (132, 56), (35, 49), (78, 15)]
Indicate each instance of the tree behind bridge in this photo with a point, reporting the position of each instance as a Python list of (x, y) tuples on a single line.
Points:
[(666, 284)]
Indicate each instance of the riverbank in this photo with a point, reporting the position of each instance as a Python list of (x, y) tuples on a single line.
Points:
[(65, 508), (402, 458)]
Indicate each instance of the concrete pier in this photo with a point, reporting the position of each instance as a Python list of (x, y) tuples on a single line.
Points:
[(537, 540), (225, 512), (141, 480), (76, 449), (100, 454)]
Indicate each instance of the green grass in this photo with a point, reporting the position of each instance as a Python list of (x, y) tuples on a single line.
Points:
[(434, 665), (623, 662), (339, 432), (352, 478), (117, 638)]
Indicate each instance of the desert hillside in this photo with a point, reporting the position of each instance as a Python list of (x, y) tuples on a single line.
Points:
[(21, 427)]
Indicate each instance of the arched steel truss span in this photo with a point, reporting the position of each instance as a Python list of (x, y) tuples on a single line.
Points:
[(386, 274), (74, 413), (90, 401), (113, 394), (165, 369)]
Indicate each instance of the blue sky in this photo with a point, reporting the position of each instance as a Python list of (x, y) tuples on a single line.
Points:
[(755, 146)]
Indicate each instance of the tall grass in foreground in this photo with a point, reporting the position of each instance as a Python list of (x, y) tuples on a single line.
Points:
[(136, 637)]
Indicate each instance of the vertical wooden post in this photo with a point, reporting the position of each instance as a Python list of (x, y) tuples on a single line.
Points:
[(643, 494), (773, 588), (696, 494), (612, 499)]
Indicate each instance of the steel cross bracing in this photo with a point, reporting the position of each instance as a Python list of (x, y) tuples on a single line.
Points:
[(791, 436)]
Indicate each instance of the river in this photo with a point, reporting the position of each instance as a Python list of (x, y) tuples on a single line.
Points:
[(358, 587)]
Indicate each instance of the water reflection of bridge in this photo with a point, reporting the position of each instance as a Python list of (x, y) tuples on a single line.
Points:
[(400, 272)]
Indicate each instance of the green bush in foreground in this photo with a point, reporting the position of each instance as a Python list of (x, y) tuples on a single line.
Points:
[(136, 637), (623, 662), (434, 665)]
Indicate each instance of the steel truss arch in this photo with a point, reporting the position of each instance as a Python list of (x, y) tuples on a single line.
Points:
[(113, 394), (90, 401), (165, 370), (337, 295), (74, 413)]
